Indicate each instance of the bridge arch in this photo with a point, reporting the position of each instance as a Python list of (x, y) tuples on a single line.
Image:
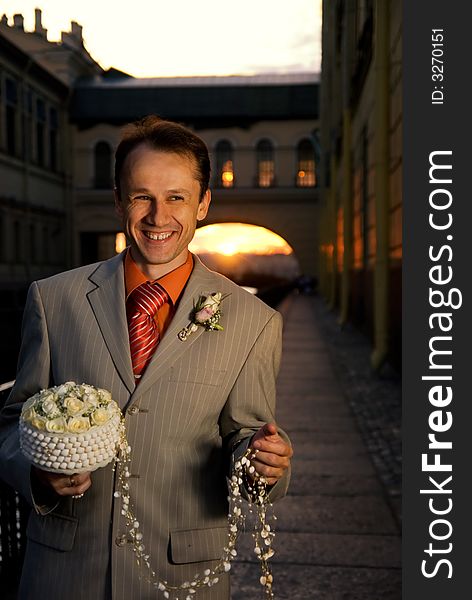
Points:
[(293, 219), (249, 254)]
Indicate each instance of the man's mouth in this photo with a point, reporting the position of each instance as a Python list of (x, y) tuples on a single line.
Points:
[(157, 236)]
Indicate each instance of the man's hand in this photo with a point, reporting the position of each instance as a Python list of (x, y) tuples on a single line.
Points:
[(273, 453), (64, 485)]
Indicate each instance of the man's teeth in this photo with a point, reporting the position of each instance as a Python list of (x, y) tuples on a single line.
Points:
[(158, 236)]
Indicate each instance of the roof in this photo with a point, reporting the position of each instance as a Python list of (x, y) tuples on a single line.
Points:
[(200, 101), (127, 81)]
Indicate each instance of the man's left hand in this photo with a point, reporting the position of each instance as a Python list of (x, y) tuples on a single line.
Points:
[(273, 453)]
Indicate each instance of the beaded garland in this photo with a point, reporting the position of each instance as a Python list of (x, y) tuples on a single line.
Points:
[(244, 476)]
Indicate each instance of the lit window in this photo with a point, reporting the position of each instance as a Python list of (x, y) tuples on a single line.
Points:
[(306, 175), (265, 164), (224, 164), (120, 242), (227, 175)]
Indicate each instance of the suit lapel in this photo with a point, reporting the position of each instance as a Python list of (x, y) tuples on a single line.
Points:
[(108, 304), (170, 348)]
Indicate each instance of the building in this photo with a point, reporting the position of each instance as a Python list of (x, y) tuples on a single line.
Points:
[(262, 136), (60, 120), (361, 138), (35, 167)]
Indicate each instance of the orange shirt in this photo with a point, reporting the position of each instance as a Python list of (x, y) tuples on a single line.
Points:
[(173, 283)]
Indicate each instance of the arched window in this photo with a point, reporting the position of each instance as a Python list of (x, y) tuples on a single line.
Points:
[(224, 164), (102, 162), (306, 176), (265, 163)]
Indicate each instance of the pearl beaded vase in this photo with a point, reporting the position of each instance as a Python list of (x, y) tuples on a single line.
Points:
[(70, 428)]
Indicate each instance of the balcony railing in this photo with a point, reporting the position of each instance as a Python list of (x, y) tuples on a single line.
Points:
[(14, 512)]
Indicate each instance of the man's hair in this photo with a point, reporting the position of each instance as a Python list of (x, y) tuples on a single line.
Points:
[(164, 136)]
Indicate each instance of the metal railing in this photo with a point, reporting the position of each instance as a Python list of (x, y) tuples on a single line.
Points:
[(14, 512)]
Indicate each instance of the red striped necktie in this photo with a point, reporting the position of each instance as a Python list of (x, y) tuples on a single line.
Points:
[(146, 300)]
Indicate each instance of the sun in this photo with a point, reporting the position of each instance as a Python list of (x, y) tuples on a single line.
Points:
[(228, 248), (229, 239)]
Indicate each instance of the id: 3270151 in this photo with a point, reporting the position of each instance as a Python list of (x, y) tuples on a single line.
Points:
[(437, 66)]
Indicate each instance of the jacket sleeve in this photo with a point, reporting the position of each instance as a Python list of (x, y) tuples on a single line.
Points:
[(251, 402), (33, 374)]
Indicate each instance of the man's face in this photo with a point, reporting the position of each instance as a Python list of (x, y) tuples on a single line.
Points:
[(159, 207)]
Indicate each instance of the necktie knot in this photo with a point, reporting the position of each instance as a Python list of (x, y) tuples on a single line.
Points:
[(148, 298)]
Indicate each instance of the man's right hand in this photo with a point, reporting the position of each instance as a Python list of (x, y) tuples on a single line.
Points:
[(64, 485)]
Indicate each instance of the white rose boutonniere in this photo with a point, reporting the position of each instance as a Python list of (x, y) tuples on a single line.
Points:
[(206, 313)]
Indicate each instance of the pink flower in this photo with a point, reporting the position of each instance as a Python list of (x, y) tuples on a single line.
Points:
[(205, 313)]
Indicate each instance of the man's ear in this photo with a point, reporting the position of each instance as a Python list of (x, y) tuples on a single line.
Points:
[(203, 206), (118, 204)]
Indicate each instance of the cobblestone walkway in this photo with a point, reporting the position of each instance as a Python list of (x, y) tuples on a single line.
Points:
[(337, 530)]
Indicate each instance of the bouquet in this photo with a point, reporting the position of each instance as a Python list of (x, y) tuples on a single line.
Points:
[(70, 428)]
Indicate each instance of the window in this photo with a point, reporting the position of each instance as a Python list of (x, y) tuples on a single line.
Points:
[(102, 162), (224, 164), (53, 126), (306, 176), (265, 163), (40, 131), (10, 115), (27, 118)]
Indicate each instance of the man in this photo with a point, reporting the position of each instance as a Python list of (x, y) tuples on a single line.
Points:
[(191, 406)]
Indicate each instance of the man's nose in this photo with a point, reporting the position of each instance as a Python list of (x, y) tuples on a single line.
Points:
[(158, 212)]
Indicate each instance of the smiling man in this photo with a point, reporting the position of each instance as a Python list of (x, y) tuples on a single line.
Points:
[(192, 404)]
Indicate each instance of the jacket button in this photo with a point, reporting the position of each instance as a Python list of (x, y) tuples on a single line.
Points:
[(133, 410), (120, 540)]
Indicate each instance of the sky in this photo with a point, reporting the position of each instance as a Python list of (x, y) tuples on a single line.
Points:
[(149, 38)]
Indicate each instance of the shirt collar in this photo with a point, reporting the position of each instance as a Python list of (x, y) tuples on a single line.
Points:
[(173, 282)]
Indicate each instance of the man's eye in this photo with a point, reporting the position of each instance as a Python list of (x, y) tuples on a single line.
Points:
[(141, 197), (176, 197)]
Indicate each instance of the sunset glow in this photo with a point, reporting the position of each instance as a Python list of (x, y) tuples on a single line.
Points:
[(150, 39), (238, 238)]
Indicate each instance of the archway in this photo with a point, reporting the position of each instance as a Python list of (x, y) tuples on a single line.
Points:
[(252, 256)]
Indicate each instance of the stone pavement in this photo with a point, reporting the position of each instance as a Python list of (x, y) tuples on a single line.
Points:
[(337, 536)]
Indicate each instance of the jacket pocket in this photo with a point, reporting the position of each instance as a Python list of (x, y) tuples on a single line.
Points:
[(55, 531), (187, 374), (197, 545)]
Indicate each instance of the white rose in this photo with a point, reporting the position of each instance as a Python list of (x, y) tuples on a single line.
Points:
[(63, 389), (39, 422), (30, 402), (101, 416), (56, 425), (78, 424), (91, 399), (74, 406), (50, 407), (28, 413)]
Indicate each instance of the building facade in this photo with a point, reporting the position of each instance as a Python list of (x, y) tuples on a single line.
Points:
[(361, 137), (263, 141), (60, 121)]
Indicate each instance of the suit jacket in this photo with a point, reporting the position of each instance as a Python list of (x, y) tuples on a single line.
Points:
[(196, 406)]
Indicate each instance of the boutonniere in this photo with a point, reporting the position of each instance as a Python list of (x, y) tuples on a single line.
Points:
[(205, 313)]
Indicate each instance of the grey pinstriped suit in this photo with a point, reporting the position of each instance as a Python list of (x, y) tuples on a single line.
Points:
[(196, 401)]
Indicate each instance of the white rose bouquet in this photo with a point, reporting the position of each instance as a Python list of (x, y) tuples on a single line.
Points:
[(70, 428)]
